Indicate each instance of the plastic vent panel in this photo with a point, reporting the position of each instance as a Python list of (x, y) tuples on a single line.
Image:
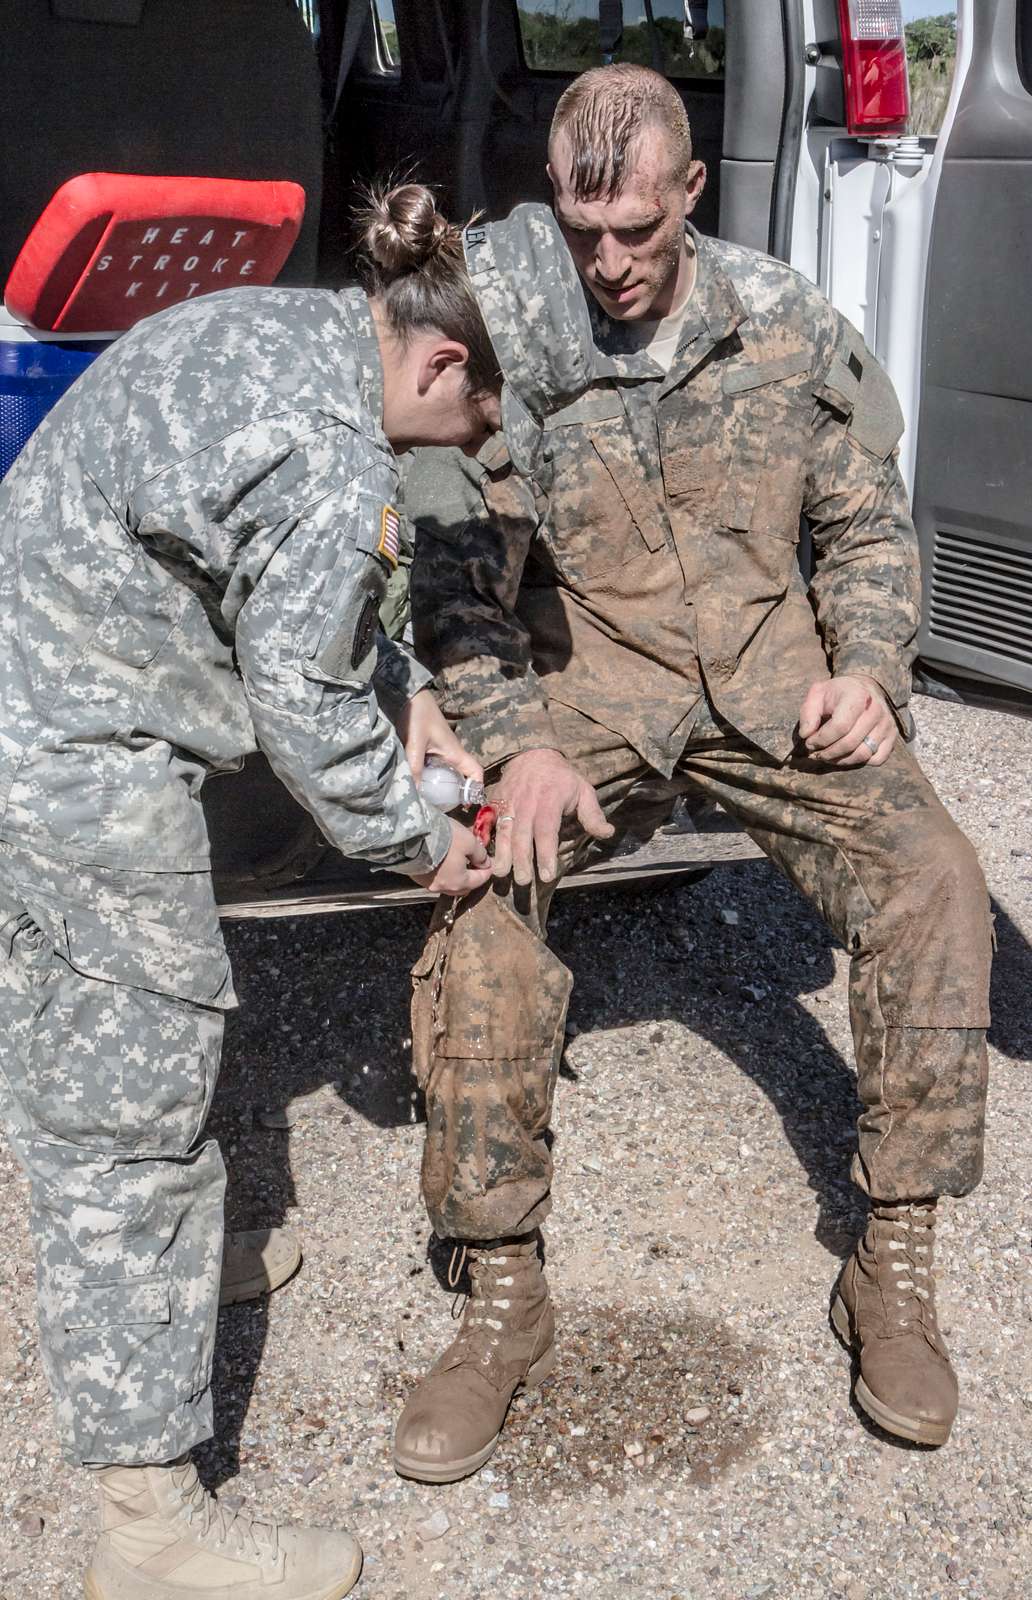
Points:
[(981, 597)]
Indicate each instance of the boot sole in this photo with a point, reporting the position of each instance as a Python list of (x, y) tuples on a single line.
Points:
[(452, 1471), (933, 1433), (254, 1288), (336, 1591)]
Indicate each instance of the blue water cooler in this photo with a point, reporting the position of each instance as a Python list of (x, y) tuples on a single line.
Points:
[(35, 371)]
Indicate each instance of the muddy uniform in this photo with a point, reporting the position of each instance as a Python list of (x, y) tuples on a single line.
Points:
[(193, 549), (638, 606)]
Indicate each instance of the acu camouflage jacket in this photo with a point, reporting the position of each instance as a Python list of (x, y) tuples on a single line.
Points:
[(193, 548), (656, 547)]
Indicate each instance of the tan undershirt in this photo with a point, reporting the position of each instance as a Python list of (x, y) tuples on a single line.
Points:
[(660, 335)]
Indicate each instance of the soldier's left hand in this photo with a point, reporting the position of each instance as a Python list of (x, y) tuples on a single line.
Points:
[(424, 732), (846, 721)]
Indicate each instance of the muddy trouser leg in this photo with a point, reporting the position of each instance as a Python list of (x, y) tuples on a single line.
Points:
[(879, 857), (104, 1089), (488, 1016)]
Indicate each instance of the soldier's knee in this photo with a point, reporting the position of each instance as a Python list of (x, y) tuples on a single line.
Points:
[(946, 868)]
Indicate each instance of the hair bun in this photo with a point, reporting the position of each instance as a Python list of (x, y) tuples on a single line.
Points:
[(401, 228)]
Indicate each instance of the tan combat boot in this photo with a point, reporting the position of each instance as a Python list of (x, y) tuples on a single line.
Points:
[(884, 1309), (165, 1538), (453, 1419), (256, 1262)]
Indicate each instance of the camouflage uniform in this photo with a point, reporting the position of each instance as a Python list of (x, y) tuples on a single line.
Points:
[(636, 603), (194, 547)]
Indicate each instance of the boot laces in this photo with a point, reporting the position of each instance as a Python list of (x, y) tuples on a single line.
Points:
[(215, 1525), (481, 1332), (913, 1275)]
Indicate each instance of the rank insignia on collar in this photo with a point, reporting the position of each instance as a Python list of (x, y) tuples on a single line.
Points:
[(390, 535)]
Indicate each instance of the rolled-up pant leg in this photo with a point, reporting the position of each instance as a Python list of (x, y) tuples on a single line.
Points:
[(488, 1016), (880, 858), (489, 1010), (105, 1088)]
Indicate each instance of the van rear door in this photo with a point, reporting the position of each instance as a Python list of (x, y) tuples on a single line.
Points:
[(973, 481)]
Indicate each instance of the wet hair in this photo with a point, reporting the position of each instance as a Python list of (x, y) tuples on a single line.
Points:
[(410, 257), (604, 112)]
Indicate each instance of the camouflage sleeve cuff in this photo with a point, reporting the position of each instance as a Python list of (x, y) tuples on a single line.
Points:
[(892, 678), (495, 738), (397, 675), (433, 849)]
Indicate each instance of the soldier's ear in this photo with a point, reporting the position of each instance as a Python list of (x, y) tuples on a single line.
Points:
[(694, 185), (439, 357)]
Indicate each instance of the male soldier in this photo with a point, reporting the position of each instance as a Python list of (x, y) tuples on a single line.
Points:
[(624, 620)]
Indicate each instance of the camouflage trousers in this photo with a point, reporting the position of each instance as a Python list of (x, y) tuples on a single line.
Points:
[(112, 989), (871, 848)]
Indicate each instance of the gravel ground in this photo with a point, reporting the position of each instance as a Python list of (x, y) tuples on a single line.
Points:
[(698, 1438)]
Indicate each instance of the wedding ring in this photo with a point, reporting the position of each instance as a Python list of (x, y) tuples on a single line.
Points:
[(872, 744)]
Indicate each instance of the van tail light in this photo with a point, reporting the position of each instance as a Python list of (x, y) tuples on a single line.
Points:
[(874, 63)]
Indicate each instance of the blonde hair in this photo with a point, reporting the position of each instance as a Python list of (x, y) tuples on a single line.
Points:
[(604, 112), (411, 258)]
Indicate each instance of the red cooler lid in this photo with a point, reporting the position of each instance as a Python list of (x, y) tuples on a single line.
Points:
[(112, 247)]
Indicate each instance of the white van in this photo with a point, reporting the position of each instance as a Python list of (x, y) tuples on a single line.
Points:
[(799, 109)]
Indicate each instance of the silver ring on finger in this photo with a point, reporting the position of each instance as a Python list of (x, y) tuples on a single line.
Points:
[(507, 816), (872, 744)]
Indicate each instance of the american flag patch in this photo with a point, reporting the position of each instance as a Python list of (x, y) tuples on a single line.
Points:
[(390, 535)]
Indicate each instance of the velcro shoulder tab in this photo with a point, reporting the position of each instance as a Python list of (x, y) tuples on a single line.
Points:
[(595, 405), (841, 383), (857, 386), (877, 423), (739, 379)]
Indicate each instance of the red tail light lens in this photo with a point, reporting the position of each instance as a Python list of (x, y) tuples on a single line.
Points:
[(874, 63)]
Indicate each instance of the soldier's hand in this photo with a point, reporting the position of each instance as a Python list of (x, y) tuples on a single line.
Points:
[(465, 867), (847, 722), (537, 790), (423, 731)]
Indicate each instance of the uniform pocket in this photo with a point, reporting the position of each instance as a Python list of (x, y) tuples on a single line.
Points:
[(604, 511), (768, 463), (124, 1049), (426, 987), (118, 1303), (503, 993), (137, 953)]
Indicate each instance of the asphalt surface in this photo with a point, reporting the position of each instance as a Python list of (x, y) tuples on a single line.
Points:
[(698, 1438)]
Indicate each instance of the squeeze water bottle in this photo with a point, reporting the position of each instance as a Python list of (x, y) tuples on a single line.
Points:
[(447, 789)]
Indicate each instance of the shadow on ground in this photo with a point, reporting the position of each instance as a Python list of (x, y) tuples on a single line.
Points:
[(633, 1399), (325, 1009)]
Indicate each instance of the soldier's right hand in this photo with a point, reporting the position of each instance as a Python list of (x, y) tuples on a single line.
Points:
[(536, 791), (463, 869)]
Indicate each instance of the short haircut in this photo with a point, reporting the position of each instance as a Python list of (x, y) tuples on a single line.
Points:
[(604, 112)]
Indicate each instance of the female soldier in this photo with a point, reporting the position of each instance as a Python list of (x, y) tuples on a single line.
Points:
[(193, 550)]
